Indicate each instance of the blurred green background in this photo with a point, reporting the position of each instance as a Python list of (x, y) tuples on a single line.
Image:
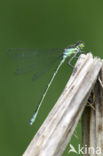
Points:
[(40, 24)]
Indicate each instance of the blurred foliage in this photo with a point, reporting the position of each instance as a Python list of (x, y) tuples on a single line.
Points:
[(39, 24)]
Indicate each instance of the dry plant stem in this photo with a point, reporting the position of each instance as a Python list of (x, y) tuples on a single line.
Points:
[(92, 124), (99, 113), (86, 128), (56, 131)]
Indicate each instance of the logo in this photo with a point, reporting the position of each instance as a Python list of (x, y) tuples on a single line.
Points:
[(84, 150)]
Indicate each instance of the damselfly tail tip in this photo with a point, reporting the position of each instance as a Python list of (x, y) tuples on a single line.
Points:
[(32, 120)]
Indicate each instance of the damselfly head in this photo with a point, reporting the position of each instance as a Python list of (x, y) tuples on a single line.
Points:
[(80, 44)]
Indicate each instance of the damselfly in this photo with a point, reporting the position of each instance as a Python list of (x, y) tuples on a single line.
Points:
[(71, 51)]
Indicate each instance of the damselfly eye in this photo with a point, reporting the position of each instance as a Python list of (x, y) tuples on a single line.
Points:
[(80, 44)]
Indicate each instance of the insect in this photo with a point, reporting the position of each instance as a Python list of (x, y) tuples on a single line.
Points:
[(70, 52)]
